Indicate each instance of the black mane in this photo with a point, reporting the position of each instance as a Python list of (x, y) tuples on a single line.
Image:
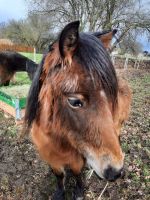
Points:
[(32, 100)]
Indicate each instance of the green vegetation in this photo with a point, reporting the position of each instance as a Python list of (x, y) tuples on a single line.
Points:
[(136, 138), (18, 87), (21, 78), (38, 56)]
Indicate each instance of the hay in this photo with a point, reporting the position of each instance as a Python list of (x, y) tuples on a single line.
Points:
[(90, 173), (18, 91), (100, 197)]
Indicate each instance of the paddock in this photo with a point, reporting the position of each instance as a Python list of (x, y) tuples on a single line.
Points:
[(24, 176)]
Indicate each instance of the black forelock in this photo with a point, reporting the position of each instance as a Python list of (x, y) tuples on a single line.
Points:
[(96, 59), (32, 100)]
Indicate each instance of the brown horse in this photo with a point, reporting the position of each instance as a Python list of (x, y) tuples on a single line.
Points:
[(12, 62), (76, 107)]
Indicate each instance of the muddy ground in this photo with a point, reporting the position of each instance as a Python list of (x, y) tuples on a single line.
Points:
[(23, 176)]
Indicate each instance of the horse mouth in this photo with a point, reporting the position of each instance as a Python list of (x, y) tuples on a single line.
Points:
[(110, 174)]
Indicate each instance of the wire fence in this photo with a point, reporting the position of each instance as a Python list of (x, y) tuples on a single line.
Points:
[(125, 61)]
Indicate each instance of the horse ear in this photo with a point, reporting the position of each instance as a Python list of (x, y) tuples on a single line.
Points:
[(69, 39), (106, 37)]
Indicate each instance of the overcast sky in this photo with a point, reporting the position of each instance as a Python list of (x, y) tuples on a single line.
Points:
[(12, 9), (17, 9)]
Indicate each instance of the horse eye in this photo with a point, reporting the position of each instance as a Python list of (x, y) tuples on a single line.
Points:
[(75, 102)]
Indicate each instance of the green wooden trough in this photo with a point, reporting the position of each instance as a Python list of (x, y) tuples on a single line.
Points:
[(13, 100)]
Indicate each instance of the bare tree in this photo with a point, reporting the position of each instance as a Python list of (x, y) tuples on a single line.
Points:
[(33, 31), (126, 15), (130, 44)]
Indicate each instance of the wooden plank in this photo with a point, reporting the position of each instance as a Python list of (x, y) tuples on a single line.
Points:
[(16, 47), (12, 111), (7, 108)]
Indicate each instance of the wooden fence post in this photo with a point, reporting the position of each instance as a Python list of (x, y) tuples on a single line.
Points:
[(126, 62), (34, 54), (113, 59)]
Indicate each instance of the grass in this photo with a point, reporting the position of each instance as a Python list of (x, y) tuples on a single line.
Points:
[(19, 91), (137, 142), (37, 58), (21, 78), (20, 87)]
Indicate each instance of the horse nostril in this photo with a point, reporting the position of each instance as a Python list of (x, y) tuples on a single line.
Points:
[(111, 174)]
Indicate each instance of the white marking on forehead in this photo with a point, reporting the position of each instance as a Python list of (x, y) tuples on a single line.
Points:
[(102, 93)]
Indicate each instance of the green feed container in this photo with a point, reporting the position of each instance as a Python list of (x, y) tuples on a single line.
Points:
[(15, 96)]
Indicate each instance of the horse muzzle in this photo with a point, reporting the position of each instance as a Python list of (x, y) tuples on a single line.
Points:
[(111, 174)]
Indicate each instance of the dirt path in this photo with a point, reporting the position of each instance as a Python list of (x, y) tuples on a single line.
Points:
[(23, 176)]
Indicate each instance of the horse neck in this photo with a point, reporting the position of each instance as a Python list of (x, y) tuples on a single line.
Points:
[(25, 64), (31, 68), (20, 64)]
